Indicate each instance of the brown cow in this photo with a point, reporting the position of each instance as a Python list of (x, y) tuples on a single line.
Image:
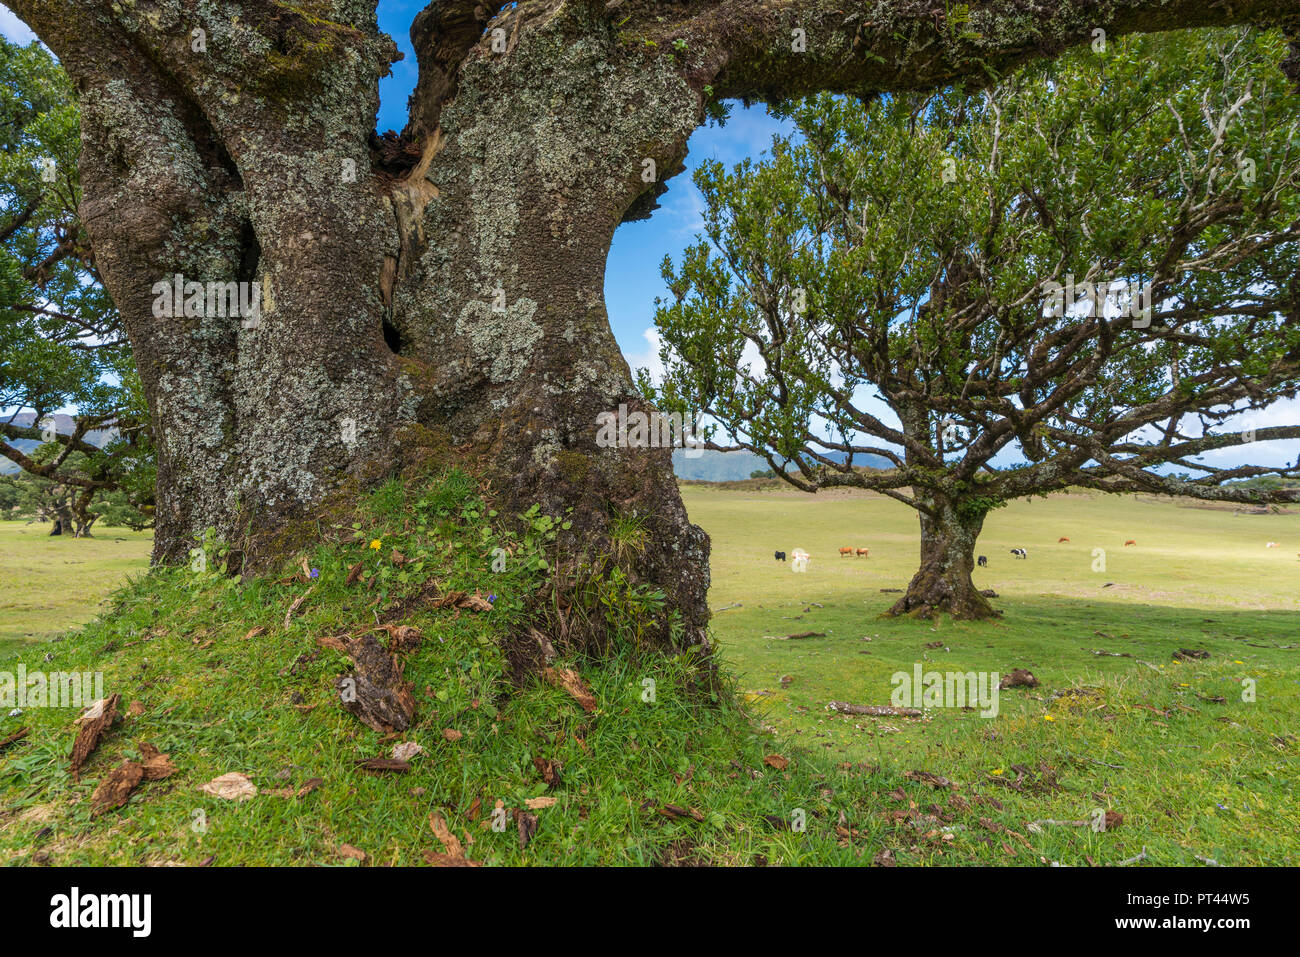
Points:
[(864, 551), (1131, 541), (1060, 540), (845, 552)]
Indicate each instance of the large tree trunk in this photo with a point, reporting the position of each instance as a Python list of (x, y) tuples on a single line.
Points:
[(943, 585), (449, 286)]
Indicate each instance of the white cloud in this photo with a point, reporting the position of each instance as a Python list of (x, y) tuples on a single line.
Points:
[(648, 358), (1284, 452)]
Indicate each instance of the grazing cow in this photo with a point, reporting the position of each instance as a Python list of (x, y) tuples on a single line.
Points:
[(845, 552), (983, 560), (799, 560), (1271, 545), (1131, 541), (864, 553), (1019, 553), (779, 556), (1060, 540)]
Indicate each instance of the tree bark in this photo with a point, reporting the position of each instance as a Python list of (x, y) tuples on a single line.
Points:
[(448, 287), (943, 585)]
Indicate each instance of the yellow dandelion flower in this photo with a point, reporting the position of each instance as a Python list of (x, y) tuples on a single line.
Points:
[(376, 544), (1048, 717)]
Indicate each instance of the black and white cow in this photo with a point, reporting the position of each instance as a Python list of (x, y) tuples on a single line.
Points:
[(983, 560), (1019, 553)]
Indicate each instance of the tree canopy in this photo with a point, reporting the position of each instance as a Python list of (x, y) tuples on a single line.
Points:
[(61, 341), (1090, 264)]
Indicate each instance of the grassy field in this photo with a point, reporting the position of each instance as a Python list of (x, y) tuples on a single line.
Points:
[(1134, 731), (48, 585), (1188, 765)]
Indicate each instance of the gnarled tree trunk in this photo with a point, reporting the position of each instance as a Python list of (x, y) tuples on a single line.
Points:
[(451, 282), (943, 582)]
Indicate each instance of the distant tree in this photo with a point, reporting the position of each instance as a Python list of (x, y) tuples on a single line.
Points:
[(762, 474), (61, 341), (916, 254)]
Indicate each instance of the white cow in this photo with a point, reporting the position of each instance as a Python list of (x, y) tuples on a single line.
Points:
[(1271, 545), (799, 560)]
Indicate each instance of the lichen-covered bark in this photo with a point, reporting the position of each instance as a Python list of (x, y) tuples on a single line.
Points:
[(943, 585), (456, 282)]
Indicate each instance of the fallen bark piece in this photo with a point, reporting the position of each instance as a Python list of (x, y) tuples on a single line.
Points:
[(231, 787), (537, 803), (936, 781), (406, 750), (354, 573), (14, 738), (878, 710), (99, 717), (375, 691), (451, 734), (1132, 860), (1019, 677), (1187, 654), (801, 634), (436, 859), (116, 787), (527, 828), (569, 680), (254, 632), (403, 637), (450, 844), (352, 853), (460, 599), (549, 770), (675, 813), (156, 765), (384, 765), (776, 761), (1036, 827)]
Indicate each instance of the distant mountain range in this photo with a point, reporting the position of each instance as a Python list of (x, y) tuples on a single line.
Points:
[(713, 466), (63, 424)]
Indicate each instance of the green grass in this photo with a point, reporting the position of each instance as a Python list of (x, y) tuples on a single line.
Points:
[(1194, 777), (50, 584)]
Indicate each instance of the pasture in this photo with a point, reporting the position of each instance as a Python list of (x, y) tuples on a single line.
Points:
[(1190, 761), (50, 584), (1118, 722)]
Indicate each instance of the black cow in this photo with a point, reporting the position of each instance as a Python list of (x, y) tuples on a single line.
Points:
[(779, 556), (983, 560)]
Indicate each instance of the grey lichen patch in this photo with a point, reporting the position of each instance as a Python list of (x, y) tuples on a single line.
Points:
[(502, 341)]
